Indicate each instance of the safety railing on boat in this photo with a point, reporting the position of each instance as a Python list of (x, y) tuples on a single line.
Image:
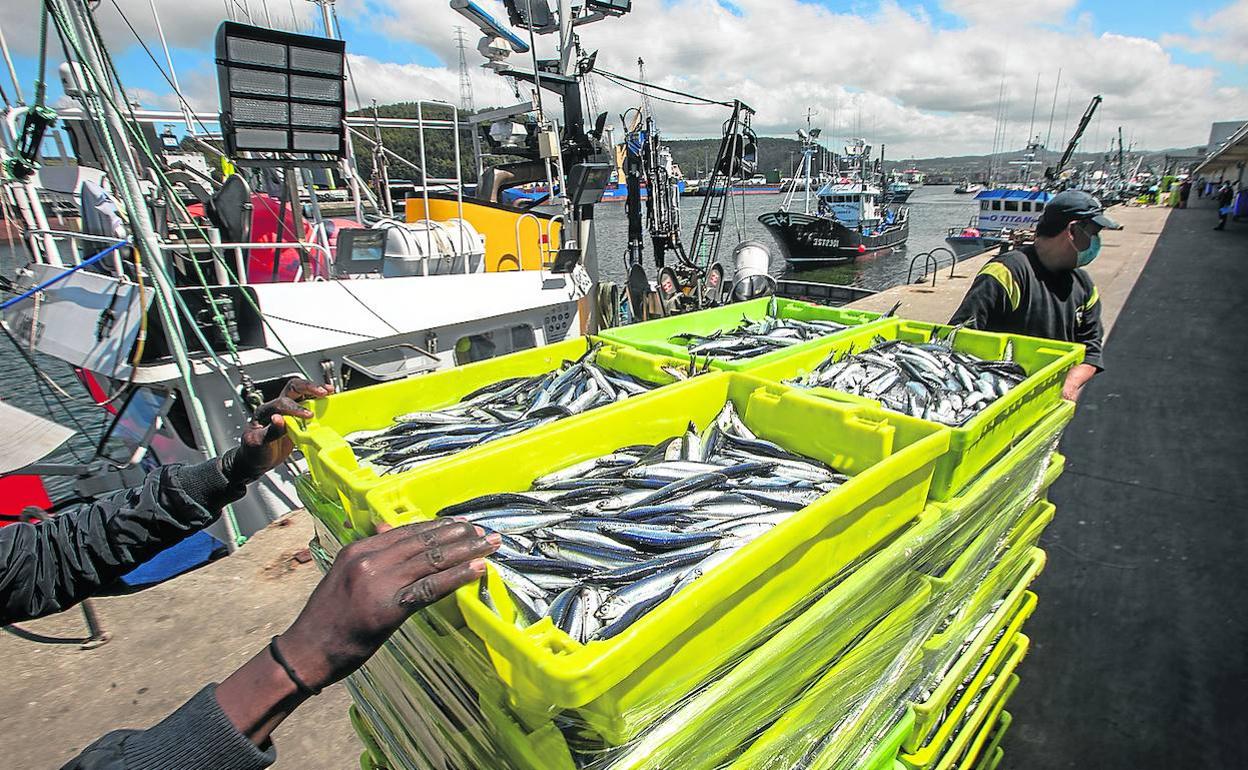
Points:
[(546, 240), (240, 265), (73, 240)]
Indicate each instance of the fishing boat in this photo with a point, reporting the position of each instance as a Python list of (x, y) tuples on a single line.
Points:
[(897, 190), (849, 220), (1003, 213), (184, 298)]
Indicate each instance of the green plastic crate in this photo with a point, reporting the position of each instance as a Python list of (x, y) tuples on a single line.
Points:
[(975, 445), (973, 751), (333, 464), (972, 709), (991, 755), (992, 760), (1017, 605), (654, 336), (821, 705), (884, 757), (888, 457)]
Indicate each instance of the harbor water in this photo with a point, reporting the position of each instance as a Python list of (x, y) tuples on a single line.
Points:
[(933, 210)]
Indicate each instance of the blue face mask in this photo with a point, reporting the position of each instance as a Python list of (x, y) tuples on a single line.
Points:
[(1085, 257)]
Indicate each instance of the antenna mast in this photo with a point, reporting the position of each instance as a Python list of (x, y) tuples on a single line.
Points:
[(465, 80)]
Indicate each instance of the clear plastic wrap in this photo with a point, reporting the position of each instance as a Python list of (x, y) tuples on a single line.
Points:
[(820, 688)]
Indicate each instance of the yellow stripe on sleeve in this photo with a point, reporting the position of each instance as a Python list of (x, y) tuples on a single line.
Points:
[(1006, 279), (1093, 298)]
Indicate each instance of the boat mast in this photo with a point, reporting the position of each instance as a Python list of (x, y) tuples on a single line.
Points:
[(141, 225)]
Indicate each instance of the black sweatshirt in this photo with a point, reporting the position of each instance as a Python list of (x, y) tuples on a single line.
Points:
[(53, 565), (1016, 294)]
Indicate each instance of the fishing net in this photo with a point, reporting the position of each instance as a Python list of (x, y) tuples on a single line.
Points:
[(823, 686)]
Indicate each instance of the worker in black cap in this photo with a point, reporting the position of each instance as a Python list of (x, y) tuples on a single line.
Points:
[(1041, 290)]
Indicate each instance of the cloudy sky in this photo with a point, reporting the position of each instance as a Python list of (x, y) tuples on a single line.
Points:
[(922, 76)]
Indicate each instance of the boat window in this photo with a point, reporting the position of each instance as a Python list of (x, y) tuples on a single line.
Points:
[(1026, 205), (497, 342), (1011, 205), (996, 205), (1039, 206), (985, 205)]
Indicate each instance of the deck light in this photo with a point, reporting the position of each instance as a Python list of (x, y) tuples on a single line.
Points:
[(281, 93)]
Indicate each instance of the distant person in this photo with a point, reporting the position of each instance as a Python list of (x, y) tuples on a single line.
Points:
[(1185, 191), (1041, 290), (1226, 195), (1200, 187)]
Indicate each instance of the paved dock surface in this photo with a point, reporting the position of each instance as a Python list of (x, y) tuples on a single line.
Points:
[(168, 642), (1140, 641)]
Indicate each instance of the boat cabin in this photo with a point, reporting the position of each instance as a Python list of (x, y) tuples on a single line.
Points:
[(851, 203), (1001, 209)]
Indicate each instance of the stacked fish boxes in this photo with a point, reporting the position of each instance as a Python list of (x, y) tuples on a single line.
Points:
[(878, 626)]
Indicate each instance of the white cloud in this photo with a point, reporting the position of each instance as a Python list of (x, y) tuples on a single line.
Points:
[(186, 23), (1223, 34), (890, 73)]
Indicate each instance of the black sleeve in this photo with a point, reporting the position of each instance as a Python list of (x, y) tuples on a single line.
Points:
[(197, 736), (1091, 332), (984, 301), (50, 566)]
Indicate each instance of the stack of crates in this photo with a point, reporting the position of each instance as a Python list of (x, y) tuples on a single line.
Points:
[(877, 628)]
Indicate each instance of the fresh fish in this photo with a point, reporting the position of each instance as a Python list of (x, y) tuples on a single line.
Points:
[(599, 544), (927, 380), (494, 411), (755, 338)]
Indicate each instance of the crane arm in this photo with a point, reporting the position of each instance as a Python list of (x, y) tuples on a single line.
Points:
[(1074, 139)]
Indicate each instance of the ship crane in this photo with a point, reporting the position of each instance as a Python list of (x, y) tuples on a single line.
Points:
[(1055, 173)]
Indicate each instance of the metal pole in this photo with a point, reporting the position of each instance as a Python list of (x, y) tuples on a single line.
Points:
[(146, 238), (8, 61), (173, 74)]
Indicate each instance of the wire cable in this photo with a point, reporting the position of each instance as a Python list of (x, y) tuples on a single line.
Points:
[(672, 91)]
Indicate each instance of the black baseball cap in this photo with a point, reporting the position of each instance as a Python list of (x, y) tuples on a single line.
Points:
[(1076, 206)]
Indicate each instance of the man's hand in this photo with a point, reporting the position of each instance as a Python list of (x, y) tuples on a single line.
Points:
[(264, 444), (375, 585), (1076, 378)]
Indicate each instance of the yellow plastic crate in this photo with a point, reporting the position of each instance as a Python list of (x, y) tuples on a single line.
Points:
[(976, 749), (334, 466), (611, 683), (823, 704), (1016, 606), (977, 444), (714, 724), (1028, 531), (972, 710)]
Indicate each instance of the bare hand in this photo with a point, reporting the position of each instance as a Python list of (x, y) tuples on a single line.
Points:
[(375, 585), (264, 444)]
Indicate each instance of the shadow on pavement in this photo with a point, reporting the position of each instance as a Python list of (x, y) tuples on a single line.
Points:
[(1140, 641)]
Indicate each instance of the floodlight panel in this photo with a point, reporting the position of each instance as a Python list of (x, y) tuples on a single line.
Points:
[(281, 92), (610, 7)]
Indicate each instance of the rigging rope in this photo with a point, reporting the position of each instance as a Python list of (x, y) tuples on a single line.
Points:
[(674, 92)]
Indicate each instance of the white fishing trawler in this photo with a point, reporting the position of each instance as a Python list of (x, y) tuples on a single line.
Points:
[(184, 291)]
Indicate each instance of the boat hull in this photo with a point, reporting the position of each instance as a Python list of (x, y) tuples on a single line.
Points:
[(813, 241), (964, 246)]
